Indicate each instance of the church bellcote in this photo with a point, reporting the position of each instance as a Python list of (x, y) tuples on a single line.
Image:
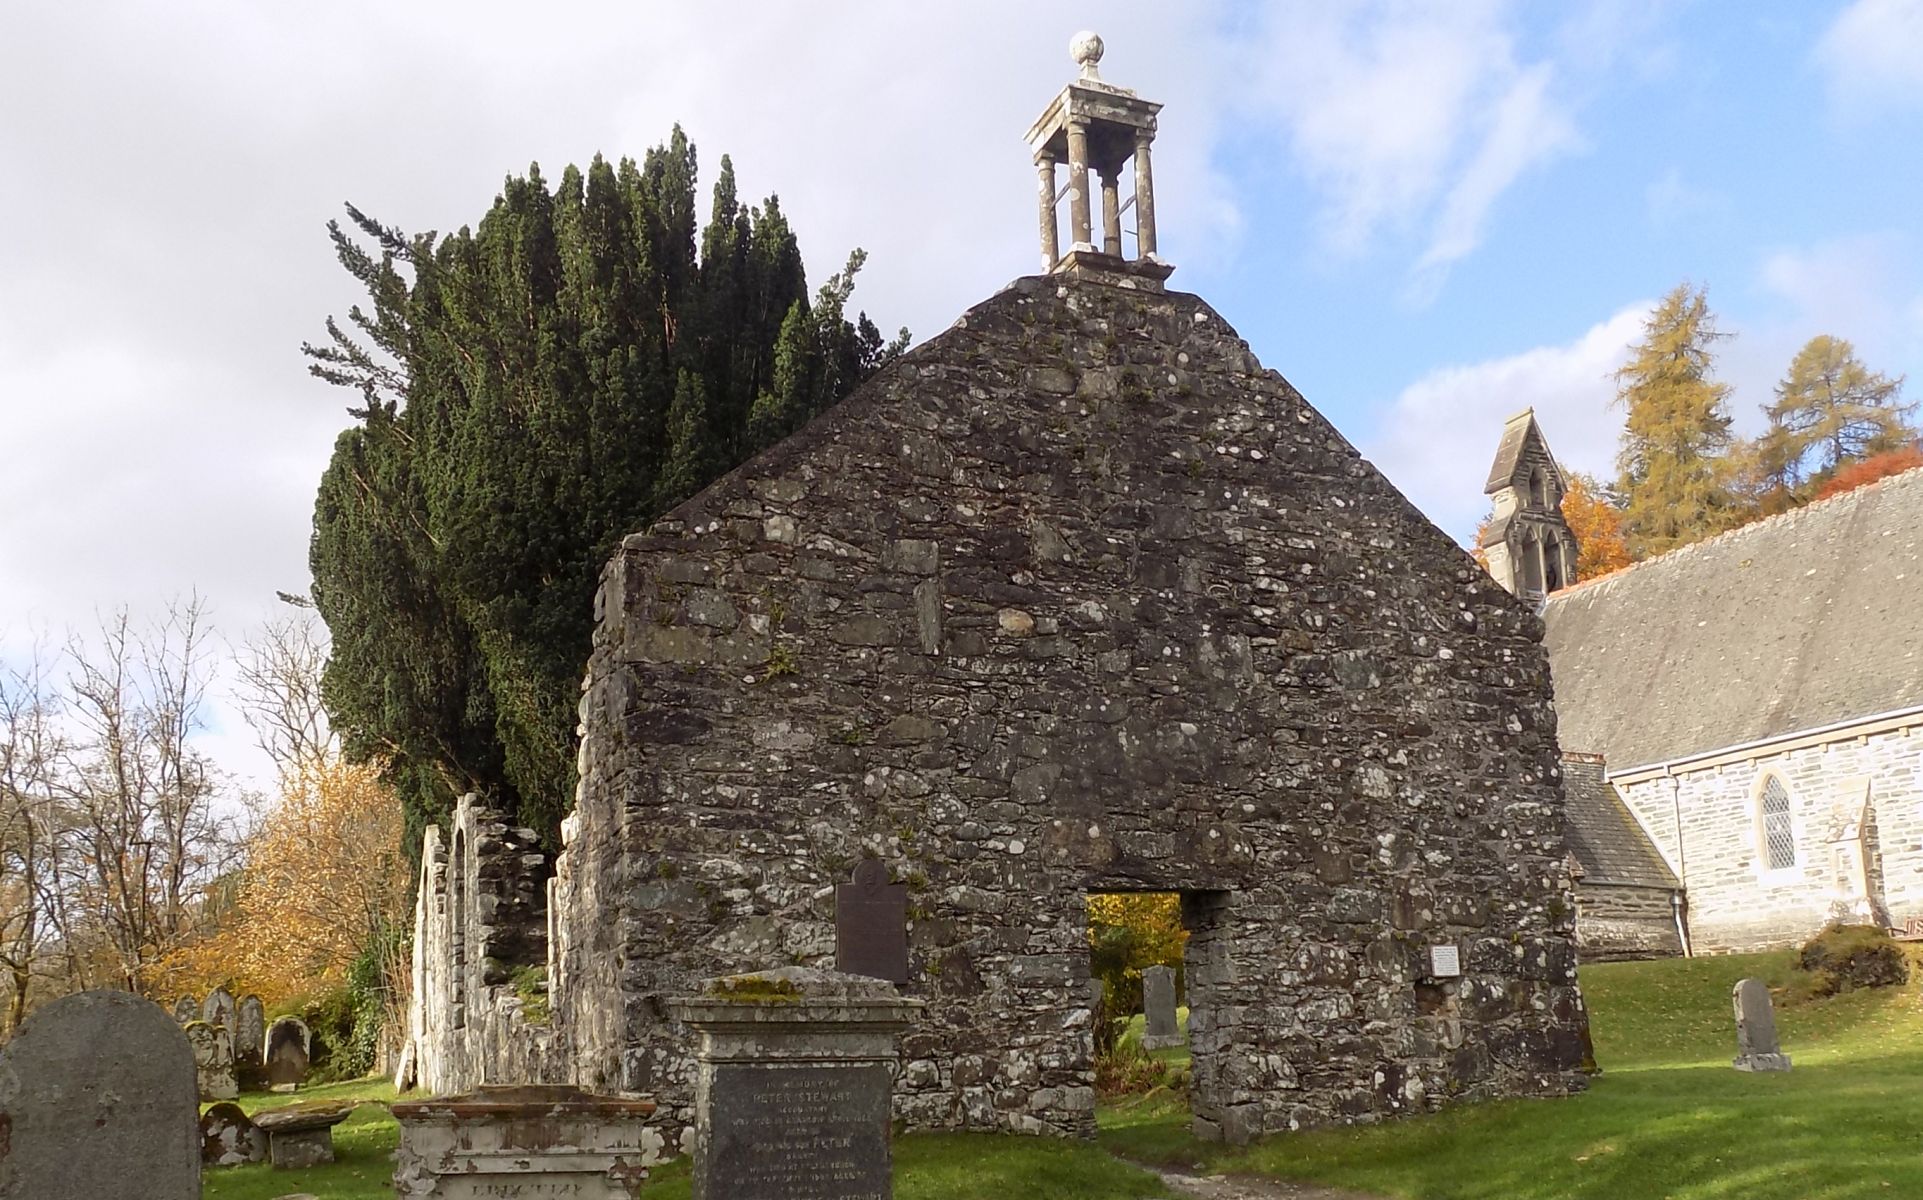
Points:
[(1093, 125), (1530, 548)]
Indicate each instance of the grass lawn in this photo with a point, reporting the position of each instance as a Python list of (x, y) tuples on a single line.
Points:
[(363, 1166), (1668, 1120)]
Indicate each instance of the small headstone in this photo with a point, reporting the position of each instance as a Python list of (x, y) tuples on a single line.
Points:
[(219, 1009), (406, 1072), (871, 924), (1159, 1030), (528, 1141), (97, 1101), (794, 1071), (287, 1048), (302, 1135), (186, 1009), (250, 1032), (213, 1061), (1756, 1046), (229, 1137)]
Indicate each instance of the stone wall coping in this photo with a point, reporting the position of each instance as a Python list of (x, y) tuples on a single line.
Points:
[(710, 1013), (521, 1101)]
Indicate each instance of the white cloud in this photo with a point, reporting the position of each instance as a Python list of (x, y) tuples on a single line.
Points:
[(1671, 200), (1412, 118), (1436, 440), (1872, 55)]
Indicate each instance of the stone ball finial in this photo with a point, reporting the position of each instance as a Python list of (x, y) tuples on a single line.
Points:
[(1086, 49)]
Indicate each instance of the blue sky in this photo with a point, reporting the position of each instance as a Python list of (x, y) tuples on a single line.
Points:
[(1428, 215)]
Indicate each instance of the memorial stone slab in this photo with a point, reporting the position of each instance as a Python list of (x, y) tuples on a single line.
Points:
[(97, 1101), (526, 1141), (793, 1082), (220, 1009), (213, 1061), (301, 1135), (229, 1137), (186, 1009), (287, 1043), (1756, 1046), (871, 924), (250, 1032), (1159, 1028)]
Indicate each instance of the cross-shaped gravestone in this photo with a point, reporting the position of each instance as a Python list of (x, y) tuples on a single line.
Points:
[(871, 925), (1756, 1046)]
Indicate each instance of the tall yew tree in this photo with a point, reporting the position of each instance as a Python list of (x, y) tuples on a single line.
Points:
[(532, 390), (1674, 464)]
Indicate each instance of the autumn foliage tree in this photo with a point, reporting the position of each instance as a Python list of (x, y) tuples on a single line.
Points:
[(1128, 932), (1871, 469), (1598, 526)]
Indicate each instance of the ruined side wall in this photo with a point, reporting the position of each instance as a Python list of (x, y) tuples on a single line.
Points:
[(1079, 597), (1735, 904), (1619, 921), (472, 932)]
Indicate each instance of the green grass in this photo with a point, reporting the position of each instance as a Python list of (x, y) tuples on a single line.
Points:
[(1668, 1120), (363, 1166)]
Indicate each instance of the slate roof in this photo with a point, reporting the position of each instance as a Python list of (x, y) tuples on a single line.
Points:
[(1504, 470), (1603, 836), (1808, 619)]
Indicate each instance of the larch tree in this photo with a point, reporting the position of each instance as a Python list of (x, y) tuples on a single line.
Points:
[(1830, 411), (533, 389), (1674, 468)]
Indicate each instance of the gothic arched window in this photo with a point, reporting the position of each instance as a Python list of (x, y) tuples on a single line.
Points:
[(1776, 826)]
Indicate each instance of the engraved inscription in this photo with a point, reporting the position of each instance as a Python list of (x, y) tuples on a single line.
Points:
[(799, 1133), (518, 1187)]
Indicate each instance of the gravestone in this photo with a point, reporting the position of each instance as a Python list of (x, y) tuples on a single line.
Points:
[(302, 1135), (213, 1061), (97, 1101), (531, 1141), (250, 1032), (229, 1137), (287, 1050), (794, 1074), (186, 1009), (1159, 1029), (219, 1009), (1756, 1046), (871, 924)]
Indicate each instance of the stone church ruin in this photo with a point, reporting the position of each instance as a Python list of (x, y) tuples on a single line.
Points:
[(1076, 597)]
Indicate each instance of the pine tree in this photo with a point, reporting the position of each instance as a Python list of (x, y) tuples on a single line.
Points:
[(1674, 469), (1830, 411), (533, 389)]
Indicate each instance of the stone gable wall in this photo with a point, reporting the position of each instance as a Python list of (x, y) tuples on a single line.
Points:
[(1077, 597), (468, 1024), (1733, 905), (1620, 921)]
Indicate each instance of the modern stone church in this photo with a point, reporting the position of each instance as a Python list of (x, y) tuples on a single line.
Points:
[(1076, 597)]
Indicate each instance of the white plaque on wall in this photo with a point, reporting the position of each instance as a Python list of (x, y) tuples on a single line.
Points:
[(1445, 962)]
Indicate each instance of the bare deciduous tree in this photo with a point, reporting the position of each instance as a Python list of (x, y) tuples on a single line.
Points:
[(280, 670)]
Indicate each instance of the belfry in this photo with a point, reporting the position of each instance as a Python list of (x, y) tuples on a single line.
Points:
[(1093, 124)]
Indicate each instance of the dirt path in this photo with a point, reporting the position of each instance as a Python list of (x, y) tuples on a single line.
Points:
[(1243, 1187)]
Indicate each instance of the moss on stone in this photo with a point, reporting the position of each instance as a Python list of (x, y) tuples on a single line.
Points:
[(755, 989)]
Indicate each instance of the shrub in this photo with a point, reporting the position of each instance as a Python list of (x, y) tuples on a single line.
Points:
[(1843, 958), (1126, 1068)]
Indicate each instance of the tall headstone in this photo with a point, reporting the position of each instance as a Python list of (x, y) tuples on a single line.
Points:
[(793, 1084), (871, 924), (250, 1032), (287, 1050), (1159, 1030), (1756, 1046), (97, 1100), (524, 1141), (213, 1061), (186, 1009), (219, 1009), (229, 1137)]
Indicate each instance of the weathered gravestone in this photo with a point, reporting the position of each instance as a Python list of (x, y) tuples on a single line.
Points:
[(250, 1032), (301, 1135), (524, 1142), (219, 1009), (97, 1102), (287, 1050), (229, 1137), (871, 924), (213, 1061), (793, 1080), (186, 1009), (1159, 1030), (1756, 1046)]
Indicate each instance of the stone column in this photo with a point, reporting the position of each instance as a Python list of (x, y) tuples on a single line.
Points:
[(1051, 246), (1144, 198), (793, 1084), (1080, 232), (1111, 215)]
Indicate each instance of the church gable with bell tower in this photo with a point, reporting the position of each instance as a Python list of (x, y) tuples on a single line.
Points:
[(1530, 548)]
